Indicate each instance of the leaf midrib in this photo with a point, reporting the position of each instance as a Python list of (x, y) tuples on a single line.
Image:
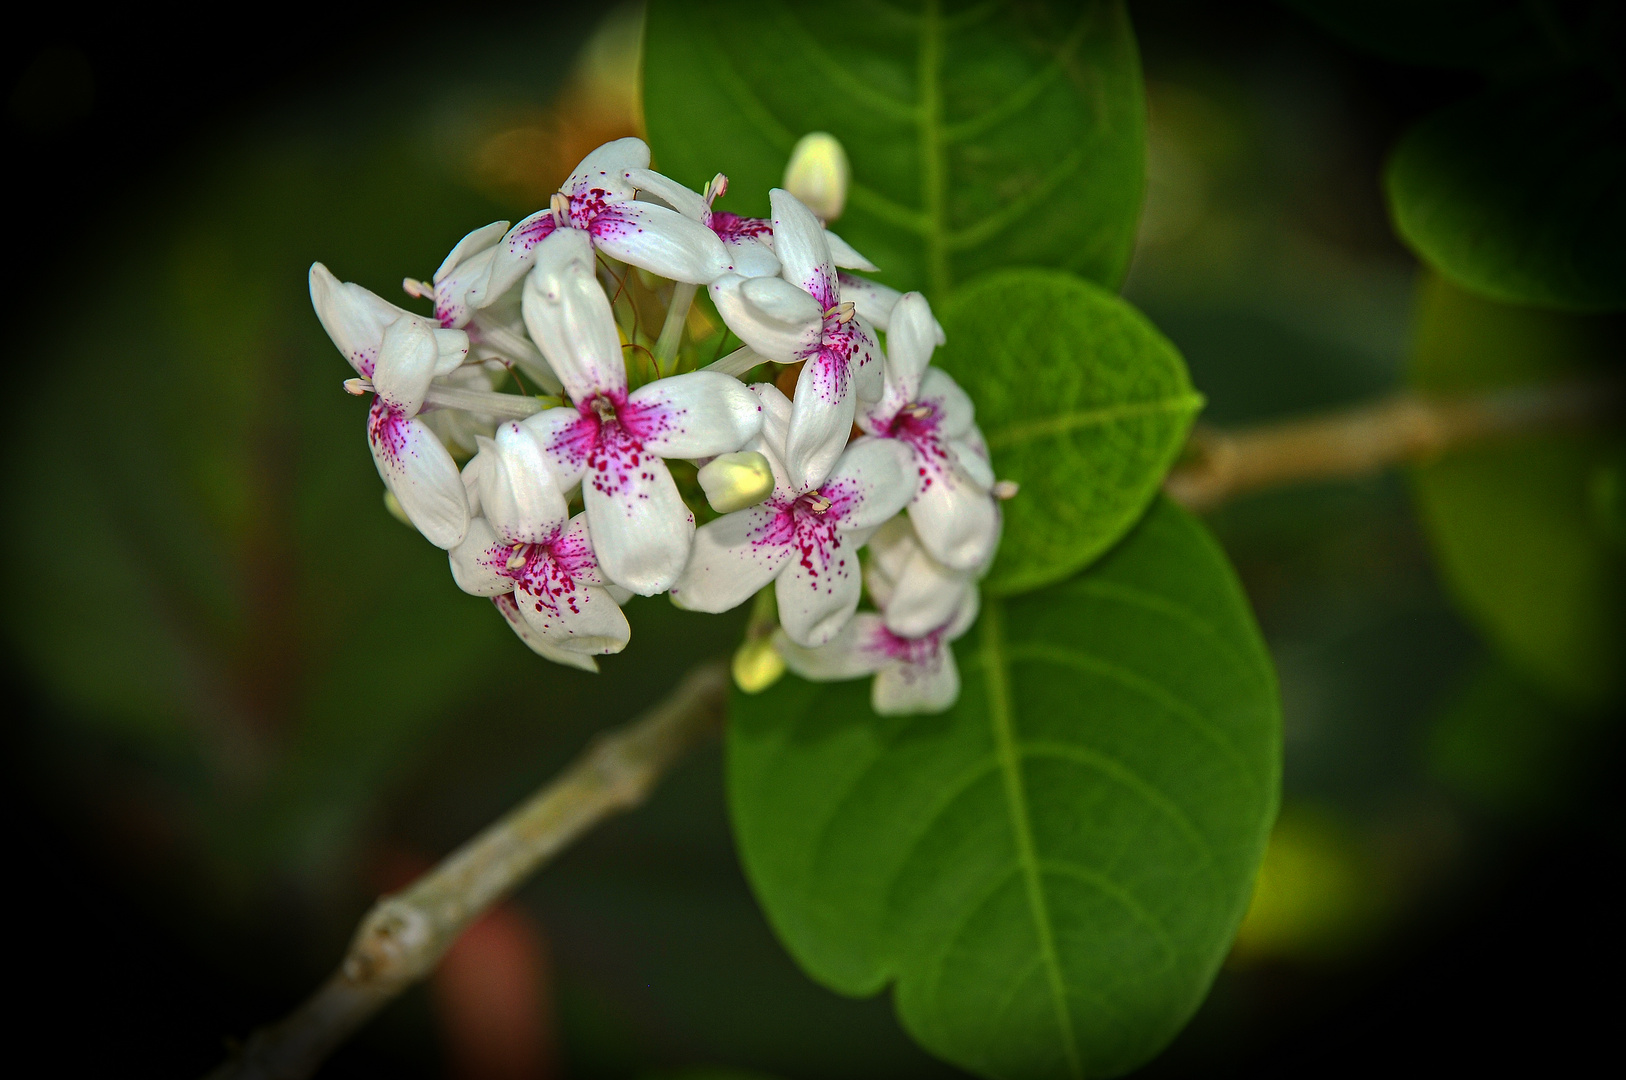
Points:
[(1010, 762)]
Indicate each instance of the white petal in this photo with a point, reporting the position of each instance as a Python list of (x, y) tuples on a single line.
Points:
[(451, 349), (957, 520), (912, 689), (569, 318), (821, 419), (909, 344), (750, 257), (970, 456), (478, 561), (641, 528), (607, 167), (519, 494), (406, 364), (480, 239), (804, 254), (926, 595), (510, 612), (843, 254), (568, 438), (738, 362), (776, 413), (661, 241), (890, 549), (847, 656), (870, 483), (955, 412), (576, 618), (733, 557), (498, 333), (700, 414), (875, 301), (819, 587), (688, 203), (774, 317), (423, 476), (514, 257), (353, 317), (865, 356)]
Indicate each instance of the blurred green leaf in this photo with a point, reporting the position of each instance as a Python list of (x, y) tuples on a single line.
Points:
[(1513, 524), (980, 136), (1083, 402), (1516, 194), (1052, 871)]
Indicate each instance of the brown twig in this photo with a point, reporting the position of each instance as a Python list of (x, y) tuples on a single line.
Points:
[(1367, 439), (404, 936)]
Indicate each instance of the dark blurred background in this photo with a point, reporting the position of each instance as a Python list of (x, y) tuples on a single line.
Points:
[(245, 701)]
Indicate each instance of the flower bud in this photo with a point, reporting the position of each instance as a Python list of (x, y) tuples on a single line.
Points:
[(736, 481), (818, 174), (757, 665)]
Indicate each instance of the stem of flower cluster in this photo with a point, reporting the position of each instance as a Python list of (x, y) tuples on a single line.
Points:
[(677, 314), (404, 936)]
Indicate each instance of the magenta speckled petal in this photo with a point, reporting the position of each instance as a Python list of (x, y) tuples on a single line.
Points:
[(700, 414), (422, 475)]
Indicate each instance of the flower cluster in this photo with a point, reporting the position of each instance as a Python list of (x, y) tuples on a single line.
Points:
[(560, 514)]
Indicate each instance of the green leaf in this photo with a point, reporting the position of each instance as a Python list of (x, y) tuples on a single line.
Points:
[(1083, 403), (1051, 872), (982, 136), (1516, 194), (1516, 526)]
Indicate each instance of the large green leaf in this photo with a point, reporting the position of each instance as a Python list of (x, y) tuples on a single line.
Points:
[(1083, 403), (1052, 871), (980, 136), (1516, 194), (1515, 525)]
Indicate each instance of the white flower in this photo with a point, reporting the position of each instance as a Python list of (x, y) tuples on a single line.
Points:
[(461, 290), (525, 547), (874, 302), (597, 201), (800, 317), (916, 593), (401, 353), (748, 241), (912, 674), (804, 538), (953, 511), (613, 442)]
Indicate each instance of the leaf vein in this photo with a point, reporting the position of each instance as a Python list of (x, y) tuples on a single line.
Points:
[(1068, 422)]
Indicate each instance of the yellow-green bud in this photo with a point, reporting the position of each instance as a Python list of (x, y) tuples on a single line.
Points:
[(397, 511), (818, 174), (757, 665), (735, 481)]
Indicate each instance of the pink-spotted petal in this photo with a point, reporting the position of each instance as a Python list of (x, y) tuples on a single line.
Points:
[(519, 493), (778, 320), (661, 241), (957, 520), (821, 419), (641, 529), (733, 557), (844, 255), (803, 252), (514, 257), (819, 587), (864, 355), (870, 483), (570, 319), (606, 168), (478, 562), (421, 474), (568, 437), (846, 656), (700, 414), (509, 609), (353, 317), (575, 618), (686, 202), (953, 408), (913, 689)]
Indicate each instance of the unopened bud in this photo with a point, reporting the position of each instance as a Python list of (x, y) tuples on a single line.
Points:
[(1006, 489), (757, 665), (736, 481), (818, 174)]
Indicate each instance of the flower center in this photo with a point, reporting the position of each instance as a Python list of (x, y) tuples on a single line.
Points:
[(604, 408)]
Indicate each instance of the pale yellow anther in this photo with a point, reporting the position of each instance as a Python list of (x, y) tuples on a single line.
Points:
[(560, 205), (843, 312), (736, 481), (818, 174), (716, 189), (517, 558), (358, 387), (817, 503), (417, 289), (917, 410), (757, 665)]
